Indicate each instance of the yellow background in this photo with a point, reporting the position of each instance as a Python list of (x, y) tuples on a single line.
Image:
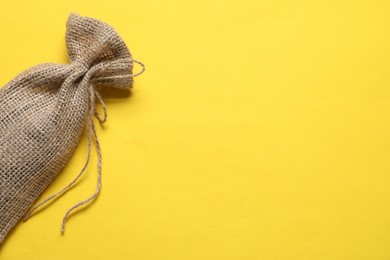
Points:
[(260, 130)]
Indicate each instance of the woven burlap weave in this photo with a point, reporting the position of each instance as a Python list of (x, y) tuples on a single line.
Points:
[(44, 111)]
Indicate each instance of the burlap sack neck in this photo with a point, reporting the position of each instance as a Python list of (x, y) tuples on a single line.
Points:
[(44, 111)]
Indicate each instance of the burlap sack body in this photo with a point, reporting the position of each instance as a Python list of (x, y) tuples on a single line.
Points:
[(44, 111)]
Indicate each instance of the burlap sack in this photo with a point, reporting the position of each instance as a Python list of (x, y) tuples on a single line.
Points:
[(45, 109)]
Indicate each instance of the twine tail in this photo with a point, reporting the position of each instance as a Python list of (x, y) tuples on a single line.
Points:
[(94, 94)]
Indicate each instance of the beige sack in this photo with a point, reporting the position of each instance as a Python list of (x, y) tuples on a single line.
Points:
[(44, 111)]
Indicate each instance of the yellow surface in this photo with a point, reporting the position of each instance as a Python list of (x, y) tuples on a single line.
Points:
[(261, 130)]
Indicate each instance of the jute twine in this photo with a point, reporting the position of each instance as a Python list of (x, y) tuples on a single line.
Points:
[(44, 111)]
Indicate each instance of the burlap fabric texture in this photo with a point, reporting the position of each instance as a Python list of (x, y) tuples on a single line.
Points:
[(44, 111)]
